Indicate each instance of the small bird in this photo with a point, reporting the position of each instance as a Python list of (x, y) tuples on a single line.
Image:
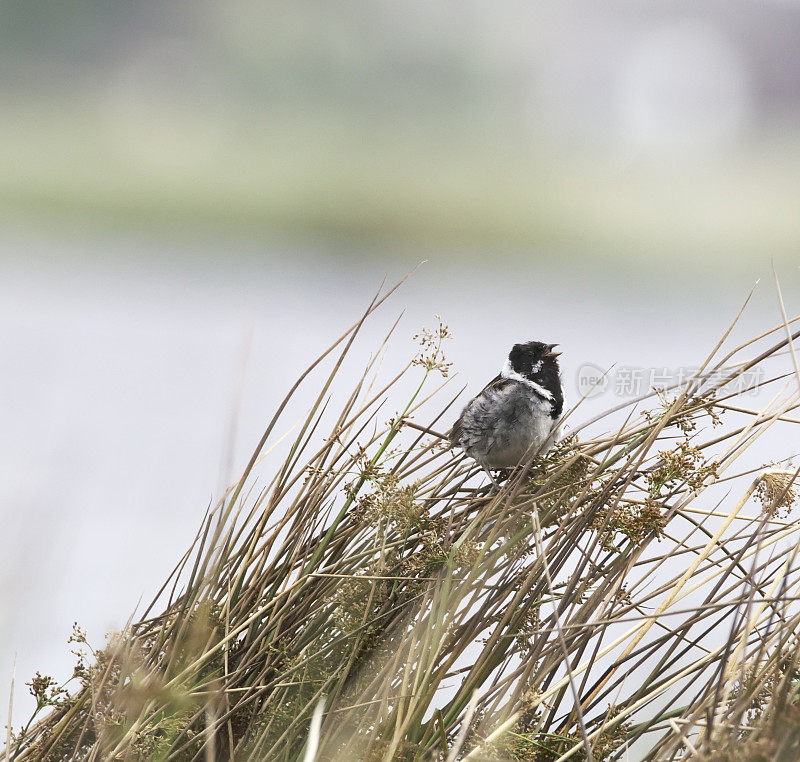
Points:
[(516, 413)]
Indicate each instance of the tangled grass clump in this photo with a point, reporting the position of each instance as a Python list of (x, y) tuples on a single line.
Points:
[(374, 599)]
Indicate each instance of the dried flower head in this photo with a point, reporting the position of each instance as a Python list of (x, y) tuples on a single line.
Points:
[(46, 691), (777, 492), (636, 521), (430, 355), (686, 416), (684, 463)]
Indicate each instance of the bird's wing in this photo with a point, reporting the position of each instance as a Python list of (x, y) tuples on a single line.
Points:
[(498, 383)]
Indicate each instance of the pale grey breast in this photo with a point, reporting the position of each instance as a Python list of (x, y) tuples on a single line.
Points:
[(503, 423)]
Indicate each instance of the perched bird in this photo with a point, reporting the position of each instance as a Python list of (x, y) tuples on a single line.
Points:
[(516, 412)]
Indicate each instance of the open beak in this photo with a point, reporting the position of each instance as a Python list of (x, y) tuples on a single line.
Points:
[(550, 351)]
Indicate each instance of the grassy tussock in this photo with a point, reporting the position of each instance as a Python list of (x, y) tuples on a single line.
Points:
[(631, 595)]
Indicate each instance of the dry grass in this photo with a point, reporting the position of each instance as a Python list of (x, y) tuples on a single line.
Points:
[(626, 596)]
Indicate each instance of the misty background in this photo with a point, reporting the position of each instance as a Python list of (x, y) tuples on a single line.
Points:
[(196, 199)]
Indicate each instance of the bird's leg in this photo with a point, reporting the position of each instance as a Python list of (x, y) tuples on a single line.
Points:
[(489, 474)]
